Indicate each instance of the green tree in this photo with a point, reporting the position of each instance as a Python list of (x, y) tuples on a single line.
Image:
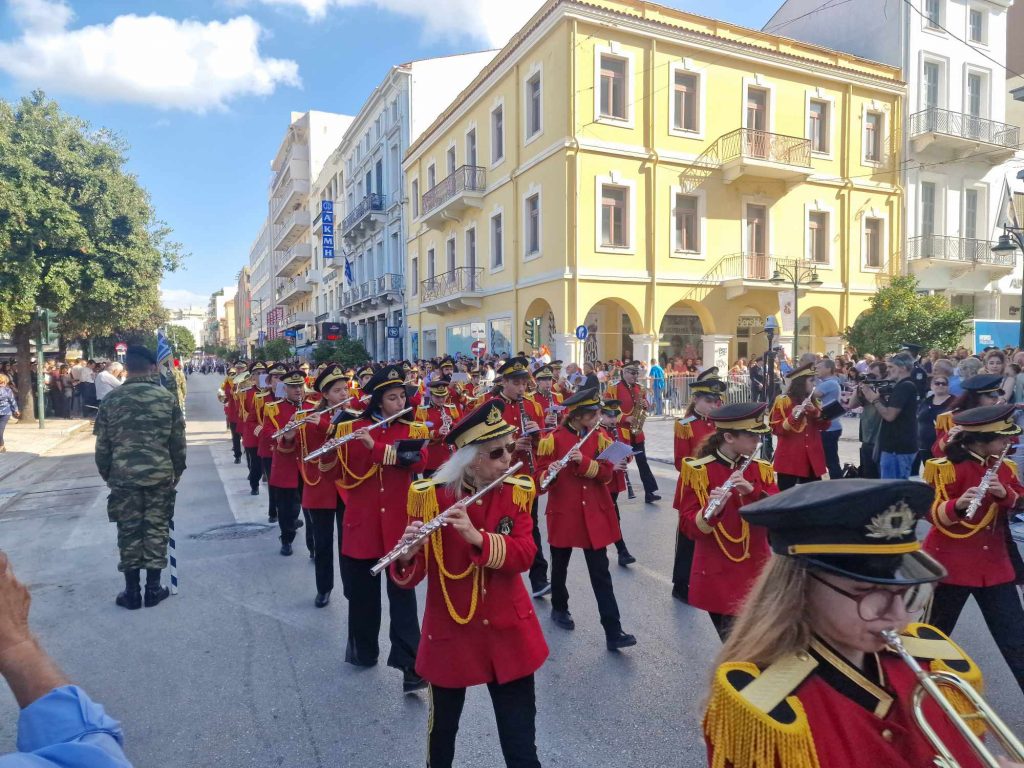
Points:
[(277, 349), (182, 341), (348, 352), (900, 315), (78, 233)]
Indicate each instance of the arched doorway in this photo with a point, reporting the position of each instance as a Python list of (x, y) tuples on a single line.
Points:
[(540, 308), (813, 326), (611, 323), (681, 331)]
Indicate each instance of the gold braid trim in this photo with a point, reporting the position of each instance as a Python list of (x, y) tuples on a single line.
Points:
[(683, 431), (422, 502), (425, 504), (345, 428), (523, 496), (602, 442), (302, 459), (695, 478), (742, 736), (767, 471), (743, 540), (941, 473), (546, 446)]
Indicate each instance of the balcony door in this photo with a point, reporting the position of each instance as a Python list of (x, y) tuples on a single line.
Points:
[(757, 242), (757, 122)]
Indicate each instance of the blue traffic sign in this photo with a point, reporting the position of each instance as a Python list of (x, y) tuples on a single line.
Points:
[(290, 333), (582, 332), (394, 331)]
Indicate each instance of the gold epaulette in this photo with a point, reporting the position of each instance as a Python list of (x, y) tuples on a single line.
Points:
[(421, 413), (1012, 465), (939, 472), (753, 720), (693, 474), (781, 403), (418, 430), (523, 491), (944, 421), (422, 503), (933, 649), (626, 434), (683, 431), (546, 446), (767, 471), (343, 428), (602, 442), (270, 410)]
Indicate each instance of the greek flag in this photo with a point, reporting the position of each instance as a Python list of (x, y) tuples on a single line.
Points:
[(163, 347), (348, 272)]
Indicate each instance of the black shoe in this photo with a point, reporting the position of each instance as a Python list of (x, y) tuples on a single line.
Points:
[(312, 554), (411, 682), (626, 559), (272, 518), (620, 639), (286, 549), (254, 492), (155, 594), (322, 599), (539, 590), (680, 594), (650, 498), (563, 619), (238, 459), (130, 599), (298, 523)]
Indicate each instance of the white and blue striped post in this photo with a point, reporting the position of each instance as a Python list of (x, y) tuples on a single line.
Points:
[(172, 558)]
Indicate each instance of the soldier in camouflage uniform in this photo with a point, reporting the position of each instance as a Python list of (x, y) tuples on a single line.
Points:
[(140, 453)]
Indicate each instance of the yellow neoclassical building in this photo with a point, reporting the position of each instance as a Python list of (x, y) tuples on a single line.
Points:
[(644, 173)]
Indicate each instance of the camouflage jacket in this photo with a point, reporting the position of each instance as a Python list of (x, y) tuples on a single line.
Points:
[(140, 435)]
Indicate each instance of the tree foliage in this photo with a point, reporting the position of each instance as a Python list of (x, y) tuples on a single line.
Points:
[(78, 232), (347, 352), (900, 315), (182, 341), (275, 349)]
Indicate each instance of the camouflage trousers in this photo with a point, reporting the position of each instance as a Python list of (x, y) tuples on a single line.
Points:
[(143, 516)]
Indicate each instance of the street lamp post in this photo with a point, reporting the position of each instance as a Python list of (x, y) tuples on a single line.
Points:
[(771, 325), (797, 274), (1012, 239)]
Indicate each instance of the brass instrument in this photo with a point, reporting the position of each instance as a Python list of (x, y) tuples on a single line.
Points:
[(931, 684), (557, 466), (983, 486), (522, 421), (337, 442), (301, 417), (403, 547), (640, 410), (712, 508)]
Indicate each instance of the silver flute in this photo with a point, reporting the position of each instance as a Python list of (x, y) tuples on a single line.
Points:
[(983, 486), (557, 466), (712, 508), (301, 417), (337, 442), (402, 548)]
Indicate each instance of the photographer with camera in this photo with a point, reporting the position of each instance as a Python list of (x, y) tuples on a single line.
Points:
[(897, 438), (870, 419)]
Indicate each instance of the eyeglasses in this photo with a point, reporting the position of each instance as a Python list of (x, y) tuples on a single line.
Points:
[(940, 382), (497, 453), (876, 603)]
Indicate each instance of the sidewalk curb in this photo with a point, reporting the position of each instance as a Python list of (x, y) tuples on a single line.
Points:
[(63, 435)]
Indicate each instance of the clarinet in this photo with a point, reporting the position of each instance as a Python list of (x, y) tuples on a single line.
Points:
[(529, 451), (712, 508), (425, 530), (983, 486)]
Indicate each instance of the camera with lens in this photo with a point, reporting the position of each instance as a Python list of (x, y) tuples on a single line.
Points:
[(883, 387)]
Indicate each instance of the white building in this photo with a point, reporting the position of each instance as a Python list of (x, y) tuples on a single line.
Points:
[(193, 318), (956, 143), (364, 180), (310, 138), (261, 284)]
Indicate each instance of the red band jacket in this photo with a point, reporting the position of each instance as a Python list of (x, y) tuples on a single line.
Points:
[(631, 401), (616, 434), (318, 476), (284, 466), (512, 414), (230, 401), (479, 624), (685, 442), (799, 450), (976, 553), (438, 452), (580, 512), (265, 449), (248, 420), (729, 553)]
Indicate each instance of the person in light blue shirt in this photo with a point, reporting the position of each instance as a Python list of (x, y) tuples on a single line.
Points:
[(59, 725), (657, 376), (828, 390)]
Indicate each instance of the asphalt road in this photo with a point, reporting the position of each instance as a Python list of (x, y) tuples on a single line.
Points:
[(241, 670)]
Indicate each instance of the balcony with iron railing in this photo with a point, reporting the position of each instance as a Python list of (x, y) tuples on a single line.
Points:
[(454, 194), (452, 291), (364, 218), (386, 288), (294, 259), (760, 154), (961, 134), (958, 249), (291, 229), (288, 290)]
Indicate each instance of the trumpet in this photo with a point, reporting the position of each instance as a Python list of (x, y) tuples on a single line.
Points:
[(712, 508), (403, 547), (983, 486), (931, 684), (557, 466), (337, 442), (301, 417)]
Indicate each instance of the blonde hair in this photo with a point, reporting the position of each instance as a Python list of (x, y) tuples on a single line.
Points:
[(774, 620), (4, 381)]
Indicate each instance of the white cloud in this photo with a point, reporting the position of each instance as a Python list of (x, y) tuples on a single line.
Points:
[(152, 60), (176, 298), (490, 21)]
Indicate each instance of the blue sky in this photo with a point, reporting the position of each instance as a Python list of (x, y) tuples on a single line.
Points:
[(202, 90)]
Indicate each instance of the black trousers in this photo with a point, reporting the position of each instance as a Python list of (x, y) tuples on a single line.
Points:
[(515, 711), (646, 476), (723, 624), (362, 589), (308, 523), (323, 523), (255, 465), (868, 464), (236, 440), (600, 580), (830, 442), (620, 545), (286, 501), (785, 481), (682, 564), (1001, 608), (539, 569), (271, 497)]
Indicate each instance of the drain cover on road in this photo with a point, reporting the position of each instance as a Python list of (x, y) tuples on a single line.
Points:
[(233, 531)]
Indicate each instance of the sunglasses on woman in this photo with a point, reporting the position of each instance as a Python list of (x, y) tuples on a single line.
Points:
[(940, 382), (500, 451)]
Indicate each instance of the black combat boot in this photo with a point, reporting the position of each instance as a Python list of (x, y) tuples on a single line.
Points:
[(154, 592), (131, 598)]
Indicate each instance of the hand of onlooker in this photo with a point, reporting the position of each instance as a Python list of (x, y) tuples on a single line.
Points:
[(14, 603)]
